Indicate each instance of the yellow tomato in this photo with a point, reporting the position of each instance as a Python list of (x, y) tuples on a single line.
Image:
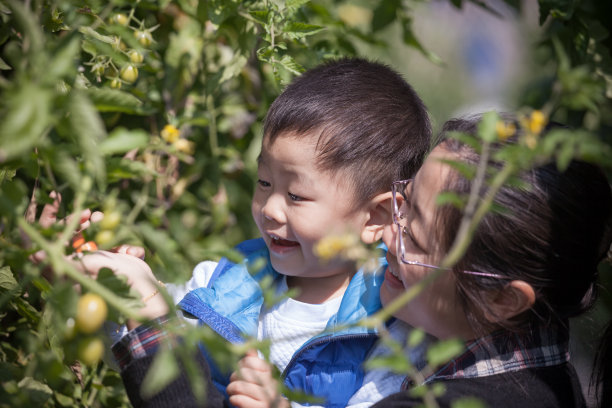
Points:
[(91, 313)]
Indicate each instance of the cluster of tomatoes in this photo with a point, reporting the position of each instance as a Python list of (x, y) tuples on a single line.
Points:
[(103, 65), (82, 330)]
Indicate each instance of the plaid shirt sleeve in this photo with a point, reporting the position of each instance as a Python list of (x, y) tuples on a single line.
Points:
[(141, 342)]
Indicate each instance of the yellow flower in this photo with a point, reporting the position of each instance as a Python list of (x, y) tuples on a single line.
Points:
[(185, 146), (537, 121), (504, 130), (335, 246), (170, 133)]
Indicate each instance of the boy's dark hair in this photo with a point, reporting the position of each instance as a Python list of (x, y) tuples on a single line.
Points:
[(552, 233), (371, 124)]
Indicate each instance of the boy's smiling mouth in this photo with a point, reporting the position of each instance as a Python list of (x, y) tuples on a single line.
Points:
[(281, 245)]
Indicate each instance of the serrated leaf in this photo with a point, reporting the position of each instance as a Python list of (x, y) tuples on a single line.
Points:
[(233, 68), (122, 140), (114, 100), (291, 65), (294, 4), (261, 16), (297, 29), (7, 280), (443, 351), (7, 175), (162, 372)]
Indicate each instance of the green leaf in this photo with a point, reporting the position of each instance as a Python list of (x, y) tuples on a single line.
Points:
[(411, 39), (468, 402), (261, 16), (297, 30), (122, 140), (443, 351), (4, 66), (162, 372), (295, 4), (114, 100), (385, 13), (37, 392), (487, 127), (234, 68), (88, 128), (25, 117), (7, 280), (561, 9), (447, 197), (64, 58), (119, 168), (7, 175), (416, 337), (291, 65)]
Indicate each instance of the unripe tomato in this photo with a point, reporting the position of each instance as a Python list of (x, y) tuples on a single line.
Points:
[(115, 83), (129, 73), (144, 37), (110, 220), (136, 57), (105, 237), (90, 350), (120, 18), (91, 313)]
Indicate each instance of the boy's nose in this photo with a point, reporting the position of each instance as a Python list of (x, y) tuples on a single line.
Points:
[(272, 210)]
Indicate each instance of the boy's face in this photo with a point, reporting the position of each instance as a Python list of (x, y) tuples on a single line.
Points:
[(295, 205)]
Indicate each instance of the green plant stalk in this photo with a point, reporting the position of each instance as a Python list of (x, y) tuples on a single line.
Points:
[(214, 142)]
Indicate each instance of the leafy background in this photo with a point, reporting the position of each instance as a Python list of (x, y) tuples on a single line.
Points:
[(171, 150)]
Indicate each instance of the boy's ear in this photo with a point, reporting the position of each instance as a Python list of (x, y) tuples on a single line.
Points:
[(515, 298), (378, 215)]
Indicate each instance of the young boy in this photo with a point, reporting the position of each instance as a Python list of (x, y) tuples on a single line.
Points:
[(333, 142)]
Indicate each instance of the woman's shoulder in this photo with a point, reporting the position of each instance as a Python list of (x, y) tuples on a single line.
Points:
[(555, 386)]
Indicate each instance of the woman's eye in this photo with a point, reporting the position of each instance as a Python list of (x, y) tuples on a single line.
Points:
[(294, 197), (263, 183)]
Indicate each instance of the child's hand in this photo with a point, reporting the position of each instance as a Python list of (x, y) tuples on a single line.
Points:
[(139, 277), (253, 386)]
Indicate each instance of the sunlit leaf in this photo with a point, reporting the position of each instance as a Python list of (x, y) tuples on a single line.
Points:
[(443, 351), (122, 140)]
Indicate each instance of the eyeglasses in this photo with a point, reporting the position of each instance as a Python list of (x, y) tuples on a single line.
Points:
[(401, 220)]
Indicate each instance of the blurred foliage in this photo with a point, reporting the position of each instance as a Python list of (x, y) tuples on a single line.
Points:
[(151, 111)]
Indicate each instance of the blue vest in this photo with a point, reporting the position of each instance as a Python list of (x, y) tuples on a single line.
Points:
[(329, 365)]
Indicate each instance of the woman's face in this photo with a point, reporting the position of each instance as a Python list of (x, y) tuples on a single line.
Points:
[(437, 308)]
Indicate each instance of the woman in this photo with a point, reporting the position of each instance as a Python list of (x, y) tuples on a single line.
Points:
[(529, 268)]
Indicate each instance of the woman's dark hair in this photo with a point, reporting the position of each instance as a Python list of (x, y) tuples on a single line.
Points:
[(551, 232), (369, 122)]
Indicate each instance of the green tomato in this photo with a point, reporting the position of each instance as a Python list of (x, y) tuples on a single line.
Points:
[(129, 73), (90, 350), (120, 18), (110, 220), (115, 83), (136, 56), (105, 237), (144, 37), (91, 313)]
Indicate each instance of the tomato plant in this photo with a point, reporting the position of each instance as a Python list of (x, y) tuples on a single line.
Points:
[(91, 313), (156, 107)]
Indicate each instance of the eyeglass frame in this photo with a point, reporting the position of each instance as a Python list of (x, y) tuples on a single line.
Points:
[(397, 216)]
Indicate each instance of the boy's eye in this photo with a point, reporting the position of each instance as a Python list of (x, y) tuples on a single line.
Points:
[(263, 183), (294, 197)]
